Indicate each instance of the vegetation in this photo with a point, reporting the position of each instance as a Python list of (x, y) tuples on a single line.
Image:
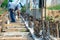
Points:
[(47, 18), (4, 4), (2, 10), (50, 18), (57, 7), (23, 9)]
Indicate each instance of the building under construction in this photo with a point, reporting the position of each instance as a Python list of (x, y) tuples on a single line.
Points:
[(40, 20)]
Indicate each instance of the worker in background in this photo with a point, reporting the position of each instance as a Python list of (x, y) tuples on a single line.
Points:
[(18, 10)]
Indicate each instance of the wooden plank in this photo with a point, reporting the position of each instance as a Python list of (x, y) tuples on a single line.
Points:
[(5, 25), (16, 29), (17, 22), (13, 38), (16, 26)]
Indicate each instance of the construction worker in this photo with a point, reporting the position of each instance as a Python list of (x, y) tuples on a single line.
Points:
[(18, 9), (12, 4)]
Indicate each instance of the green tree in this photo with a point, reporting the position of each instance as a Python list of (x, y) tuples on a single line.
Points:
[(4, 4)]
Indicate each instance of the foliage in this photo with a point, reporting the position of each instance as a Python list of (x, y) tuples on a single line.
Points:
[(57, 7), (47, 18), (2, 11), (23, 9), (4, 4), (50, 18)]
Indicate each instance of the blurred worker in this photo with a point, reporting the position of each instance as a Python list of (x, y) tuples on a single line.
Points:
[(18, 9), (13, 5)]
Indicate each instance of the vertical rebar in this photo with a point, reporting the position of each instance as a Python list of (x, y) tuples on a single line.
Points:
[(57, 31)]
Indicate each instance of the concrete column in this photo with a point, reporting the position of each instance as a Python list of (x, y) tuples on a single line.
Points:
[(31, 4)]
